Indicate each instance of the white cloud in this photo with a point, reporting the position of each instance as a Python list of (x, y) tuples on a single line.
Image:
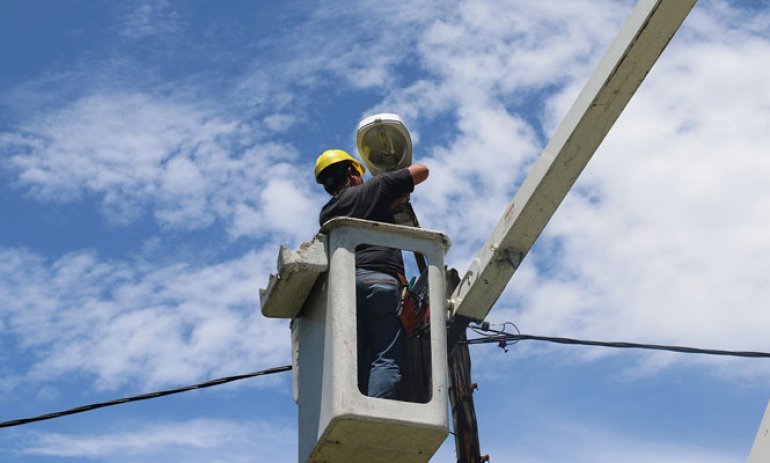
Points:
[(369, 54), (200, 440), (557, 440), (478, 90), (654, 244), (663, 239), (516, 48), (140, 154), (129, 323), (145, 19), (176, 156)]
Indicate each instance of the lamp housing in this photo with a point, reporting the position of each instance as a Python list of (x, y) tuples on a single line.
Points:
[(384, 143)]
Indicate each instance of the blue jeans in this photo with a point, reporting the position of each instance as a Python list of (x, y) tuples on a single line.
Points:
[(380, 336)]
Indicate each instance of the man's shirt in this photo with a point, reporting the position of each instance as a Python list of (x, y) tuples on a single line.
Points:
[(371, 201)]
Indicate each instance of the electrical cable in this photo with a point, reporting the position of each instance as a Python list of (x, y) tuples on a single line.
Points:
[(502, 339), (151, 395), (502, 343)]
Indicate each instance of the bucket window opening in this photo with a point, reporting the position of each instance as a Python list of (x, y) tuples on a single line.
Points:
[(393, 332)]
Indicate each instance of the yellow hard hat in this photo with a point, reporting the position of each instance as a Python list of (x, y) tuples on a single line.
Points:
[(329, 157)]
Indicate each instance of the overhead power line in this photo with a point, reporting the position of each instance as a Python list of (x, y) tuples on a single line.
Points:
[(151, 395), (503, 339)]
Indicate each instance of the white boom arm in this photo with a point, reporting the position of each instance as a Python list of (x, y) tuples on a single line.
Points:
[(637, 47)]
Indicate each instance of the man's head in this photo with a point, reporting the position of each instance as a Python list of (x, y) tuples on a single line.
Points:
[(335, 170)]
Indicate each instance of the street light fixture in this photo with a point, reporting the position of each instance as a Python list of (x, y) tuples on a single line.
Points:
[(384, 143)]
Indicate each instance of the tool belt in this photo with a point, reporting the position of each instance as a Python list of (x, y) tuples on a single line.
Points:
[(414, 308)]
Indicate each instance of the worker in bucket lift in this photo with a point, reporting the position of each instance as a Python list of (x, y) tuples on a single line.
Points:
[(379, 270)]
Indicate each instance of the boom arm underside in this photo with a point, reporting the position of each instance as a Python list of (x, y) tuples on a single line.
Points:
[(637, 47)]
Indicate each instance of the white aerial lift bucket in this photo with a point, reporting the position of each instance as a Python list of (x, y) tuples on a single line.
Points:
[(337, 423)]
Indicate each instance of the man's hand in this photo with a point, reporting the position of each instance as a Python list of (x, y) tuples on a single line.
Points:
[(419, 173)]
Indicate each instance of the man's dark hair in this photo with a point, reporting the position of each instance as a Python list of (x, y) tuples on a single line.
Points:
[(335, 177)]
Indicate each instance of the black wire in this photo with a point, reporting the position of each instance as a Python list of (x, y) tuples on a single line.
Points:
[(501, 339), (620, 345), (151, 395)]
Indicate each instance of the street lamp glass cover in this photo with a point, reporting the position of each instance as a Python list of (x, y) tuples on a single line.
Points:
[(384, 143)]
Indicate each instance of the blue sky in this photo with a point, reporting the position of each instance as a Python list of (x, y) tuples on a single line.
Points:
[(153, 155)]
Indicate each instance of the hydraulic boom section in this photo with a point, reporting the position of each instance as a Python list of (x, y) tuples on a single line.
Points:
[(637, 47)]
